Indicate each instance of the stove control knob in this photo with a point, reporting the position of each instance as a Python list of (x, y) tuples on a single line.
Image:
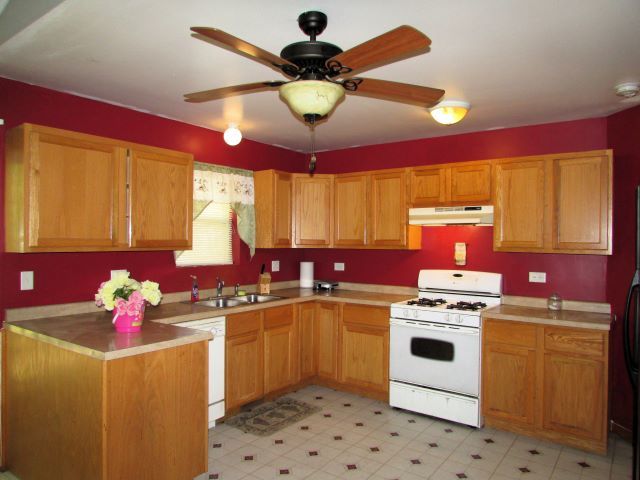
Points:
[(415, 313), (405, 312)]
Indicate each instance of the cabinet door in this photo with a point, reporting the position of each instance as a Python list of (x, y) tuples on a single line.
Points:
[(519, 205), (582, 203), (282, 210), (313, 210), (73, 192), (508, 383), (161, 199), (428, 186), (280, 348), (574, 396), (388, 209), (365, 347), (471, 183), (243, 359), (350, 210), (308, 342), (326, 323)]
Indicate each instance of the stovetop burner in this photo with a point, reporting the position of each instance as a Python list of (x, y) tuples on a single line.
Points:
[(469, 306), (427, 302)]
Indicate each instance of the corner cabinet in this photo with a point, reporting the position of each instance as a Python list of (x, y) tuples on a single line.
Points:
[(68, 191), (554, 203), (547, 381)]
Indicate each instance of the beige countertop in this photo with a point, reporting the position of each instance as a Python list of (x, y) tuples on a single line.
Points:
[(563, 318), (93, 334)]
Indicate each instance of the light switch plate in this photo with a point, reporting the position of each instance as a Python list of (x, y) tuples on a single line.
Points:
[(275, 265), (538, 277), (338, 267), (26, 280), (117, 272)]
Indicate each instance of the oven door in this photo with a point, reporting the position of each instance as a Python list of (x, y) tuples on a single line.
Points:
[(445, 357)]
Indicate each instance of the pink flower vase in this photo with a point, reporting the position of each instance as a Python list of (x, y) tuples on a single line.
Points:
[(128, 314)]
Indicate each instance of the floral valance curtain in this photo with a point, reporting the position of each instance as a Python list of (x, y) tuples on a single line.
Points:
[(214, 183)]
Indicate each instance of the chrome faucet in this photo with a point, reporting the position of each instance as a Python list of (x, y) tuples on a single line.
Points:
[(219, 287), (237, 289)]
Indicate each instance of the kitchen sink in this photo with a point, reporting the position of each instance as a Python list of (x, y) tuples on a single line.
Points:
[(256, 298), (219, 302)]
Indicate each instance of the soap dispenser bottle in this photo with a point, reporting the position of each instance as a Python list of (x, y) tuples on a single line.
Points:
[(195, 293)]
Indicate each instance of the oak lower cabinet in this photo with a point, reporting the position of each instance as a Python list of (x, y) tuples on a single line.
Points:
[(554, 203), (273, 204), (547, 381), (326, 323), (69, 415), (365, 348), (67, 191), (281, 355), (244, 362), (308, 342), (467, 183), (313, 210)]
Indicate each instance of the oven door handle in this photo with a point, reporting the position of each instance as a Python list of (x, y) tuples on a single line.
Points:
[(436, 327)]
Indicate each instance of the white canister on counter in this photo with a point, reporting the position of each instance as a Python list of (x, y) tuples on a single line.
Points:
[(306, 274)]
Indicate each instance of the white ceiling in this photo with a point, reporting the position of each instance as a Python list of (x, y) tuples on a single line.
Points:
[(517, 62)]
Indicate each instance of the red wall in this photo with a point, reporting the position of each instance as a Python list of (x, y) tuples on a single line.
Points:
[(623, 133), (70, 277)]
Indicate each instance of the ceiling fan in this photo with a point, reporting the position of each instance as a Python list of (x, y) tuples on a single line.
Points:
[(320, 73)]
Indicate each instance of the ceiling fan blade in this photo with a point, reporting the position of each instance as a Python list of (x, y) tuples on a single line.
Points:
[(218, 93), (396, 44), (241, 47), (398, 92)]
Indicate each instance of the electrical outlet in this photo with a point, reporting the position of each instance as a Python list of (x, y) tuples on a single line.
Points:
[(338, 266), (118, 272), (26, 280), (538, 277), (275, 265)]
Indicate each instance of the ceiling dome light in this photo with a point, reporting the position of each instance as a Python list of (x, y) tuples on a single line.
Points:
[(311, 98), (449, 112), (628, 90), (232, 136)]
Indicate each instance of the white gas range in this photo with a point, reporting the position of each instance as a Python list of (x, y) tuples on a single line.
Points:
[(434, 358)]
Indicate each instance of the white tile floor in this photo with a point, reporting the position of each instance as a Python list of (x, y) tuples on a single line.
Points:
[(357, 438)]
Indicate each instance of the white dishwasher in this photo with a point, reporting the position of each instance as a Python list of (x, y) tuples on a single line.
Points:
[(217, 327)]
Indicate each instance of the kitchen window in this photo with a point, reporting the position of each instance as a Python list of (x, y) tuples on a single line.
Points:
[(212, 238)]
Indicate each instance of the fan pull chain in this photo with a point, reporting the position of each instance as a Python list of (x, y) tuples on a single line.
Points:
[(312, 163)]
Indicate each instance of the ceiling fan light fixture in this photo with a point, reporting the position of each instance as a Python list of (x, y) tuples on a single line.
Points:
[(449, 112), (232, 136), (311, 97)]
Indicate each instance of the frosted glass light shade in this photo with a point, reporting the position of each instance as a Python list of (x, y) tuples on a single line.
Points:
[(311, 97), (232, 136), (449, 111)]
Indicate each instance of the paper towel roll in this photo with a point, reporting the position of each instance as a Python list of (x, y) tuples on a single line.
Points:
[(306, 274)]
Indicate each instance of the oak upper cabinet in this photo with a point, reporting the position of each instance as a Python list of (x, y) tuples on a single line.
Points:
[(365, 348), (244, 369), (327, 338), (547, 381), (308, 342), (509, 371), (350, 210), (388, 212), (62, 191), (161, 192), (519, 214), (281, 349), (273, 204), (313, 210), (450, 184), (67, 191), (581, 215), (554, 203)]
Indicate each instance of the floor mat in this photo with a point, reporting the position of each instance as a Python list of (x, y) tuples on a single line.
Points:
[(270, 417)]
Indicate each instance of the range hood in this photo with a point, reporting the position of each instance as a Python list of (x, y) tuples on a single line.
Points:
[(473, 215)]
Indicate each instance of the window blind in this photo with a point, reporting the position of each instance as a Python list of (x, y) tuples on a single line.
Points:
[(211, 238)]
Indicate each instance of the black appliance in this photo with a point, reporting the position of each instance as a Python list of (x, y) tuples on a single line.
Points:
[(631, 340)]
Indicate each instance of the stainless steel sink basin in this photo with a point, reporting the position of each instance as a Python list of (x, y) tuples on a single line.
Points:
[(257, 298), (219, 302)]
